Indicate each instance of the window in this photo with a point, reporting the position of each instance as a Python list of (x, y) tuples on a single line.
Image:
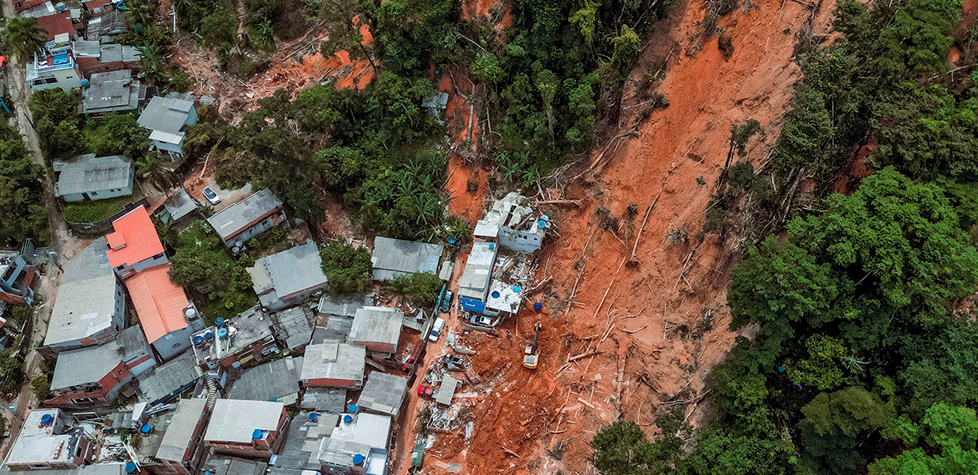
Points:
[(168, 336), (83, 400), (39, 465), (176, 345)]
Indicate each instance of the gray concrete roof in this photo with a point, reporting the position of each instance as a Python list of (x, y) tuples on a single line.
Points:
[(85, 365), (332, 360), (45, 444), (290, 271), (180, 204), (383, 393), (96, 469), (132, 341), (344, 305), (234, 420), (336, 329), (112, 91), (331, 400), (474, 282), (169, 377), (301, 448), (166, 114), (393, 257), (90, 173), (85, 49), (377, 325), (447, 390), (218, 464), (85, 302), (179, 435), (269, 381), (292, 326), (240, 215)]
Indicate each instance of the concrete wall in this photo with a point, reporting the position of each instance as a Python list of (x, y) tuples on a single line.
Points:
[(256, 229), (67, 79), (130, 269), (173, 343), (175, 150), (292, 299), (110, 193), (108, 388), (520, 241)]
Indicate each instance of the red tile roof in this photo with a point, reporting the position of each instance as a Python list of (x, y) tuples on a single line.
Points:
[(56, 24), (159, 302), (134, 239)]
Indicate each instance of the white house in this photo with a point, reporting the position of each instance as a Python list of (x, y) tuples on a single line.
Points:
[(166, 118)]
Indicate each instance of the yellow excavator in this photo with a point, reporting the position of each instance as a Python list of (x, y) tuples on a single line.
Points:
[(531, 354)]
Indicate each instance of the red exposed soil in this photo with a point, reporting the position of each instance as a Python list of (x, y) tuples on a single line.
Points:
[(660, 322)]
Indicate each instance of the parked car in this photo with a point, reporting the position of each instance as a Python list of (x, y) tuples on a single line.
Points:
[(482, 320), (211, 196), (426, 392), (446, 303), (436, 329), (454, 363)]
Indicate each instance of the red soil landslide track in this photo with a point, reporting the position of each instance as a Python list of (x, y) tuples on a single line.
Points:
[(666, 312)]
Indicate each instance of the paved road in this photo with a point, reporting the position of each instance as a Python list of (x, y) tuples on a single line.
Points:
[(61, 239)]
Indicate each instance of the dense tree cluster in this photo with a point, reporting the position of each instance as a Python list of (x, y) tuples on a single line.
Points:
[(202, 265), (22, 211), (347, 267), (64, 133)]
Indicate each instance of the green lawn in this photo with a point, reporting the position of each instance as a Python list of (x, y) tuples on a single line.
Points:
[(94, 211)]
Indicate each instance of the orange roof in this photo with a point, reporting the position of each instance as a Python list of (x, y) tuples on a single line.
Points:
[(159, 302), (134, 239)]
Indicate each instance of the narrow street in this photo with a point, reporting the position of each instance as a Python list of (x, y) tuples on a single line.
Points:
[(62, 241)]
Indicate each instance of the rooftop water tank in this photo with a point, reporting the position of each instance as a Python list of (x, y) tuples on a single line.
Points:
[(146, 429), (537, 306), (84, 83), (47, 419), (347, 418), (222, 332), (313, 417), (352, 408), (208, 335), (257, 434), (219, 321), (358, 459), (130, 467), (495, 294), (492, 246), (517, 288), (190, 313), (60, 6), (198, 340)]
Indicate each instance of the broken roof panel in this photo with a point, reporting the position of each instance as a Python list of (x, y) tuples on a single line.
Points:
[(383, 393), (268, 382), (447, 390), (393, 257), (344, 305), (292, 326), (180, 204)]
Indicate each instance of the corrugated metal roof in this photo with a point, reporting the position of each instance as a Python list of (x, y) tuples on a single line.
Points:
[(474, 282), (180, 434), (86, 299), (132, 341), (383, 393), (344, 305), (292, 326), (135, 232), (159, 302), (235, 420), (332, 360), (393, 257), (447, 390), (180, 204), (166, 114), (168, 377), (90, 173), (111, 91), (291, 271), (269, 381), (377, 325), (85, 365), (234, 218), (366, 432)]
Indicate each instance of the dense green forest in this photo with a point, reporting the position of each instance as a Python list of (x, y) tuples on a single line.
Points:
[(863, 362)]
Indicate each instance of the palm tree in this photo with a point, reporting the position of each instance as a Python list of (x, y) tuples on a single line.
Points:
[(23, 36), (152, 168)]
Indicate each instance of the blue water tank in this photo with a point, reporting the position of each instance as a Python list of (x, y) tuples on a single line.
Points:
[(130, 467), (348, 418), (198, 340), (358, 459), (146, 429), (257, 434), (542, 223), (537, 306), (495, 294), (222, 332), (208, 335), (47, 419), (84, 83), (517, 288), (352, 408), (313, 417), (452, 241), (219, 322), (492, 246)]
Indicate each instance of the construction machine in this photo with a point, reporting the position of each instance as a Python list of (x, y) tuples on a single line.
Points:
[(531, 354)]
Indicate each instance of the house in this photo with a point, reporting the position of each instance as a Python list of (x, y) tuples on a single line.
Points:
[(94, 178), (166, 314), (166, 118), (18, 278), (169, 379), (377, 329), (277, 380), (89, 376), (300, 452), (511, 224), (217, 464), (324, 400), (247, 218), (292, 328), (288, 278), (112, 91), (394, 257), (171, 444), (504, 299), (333, 364), (179, 208), (105, 27), (344, 305), (48, 441), (236, 341), (55, 65), (250, 429), (135, 351), (134, 245), (96, 469), (94, 57), (473, 286), (89, 308), (383, 393), (336, 329), (358, 444)]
